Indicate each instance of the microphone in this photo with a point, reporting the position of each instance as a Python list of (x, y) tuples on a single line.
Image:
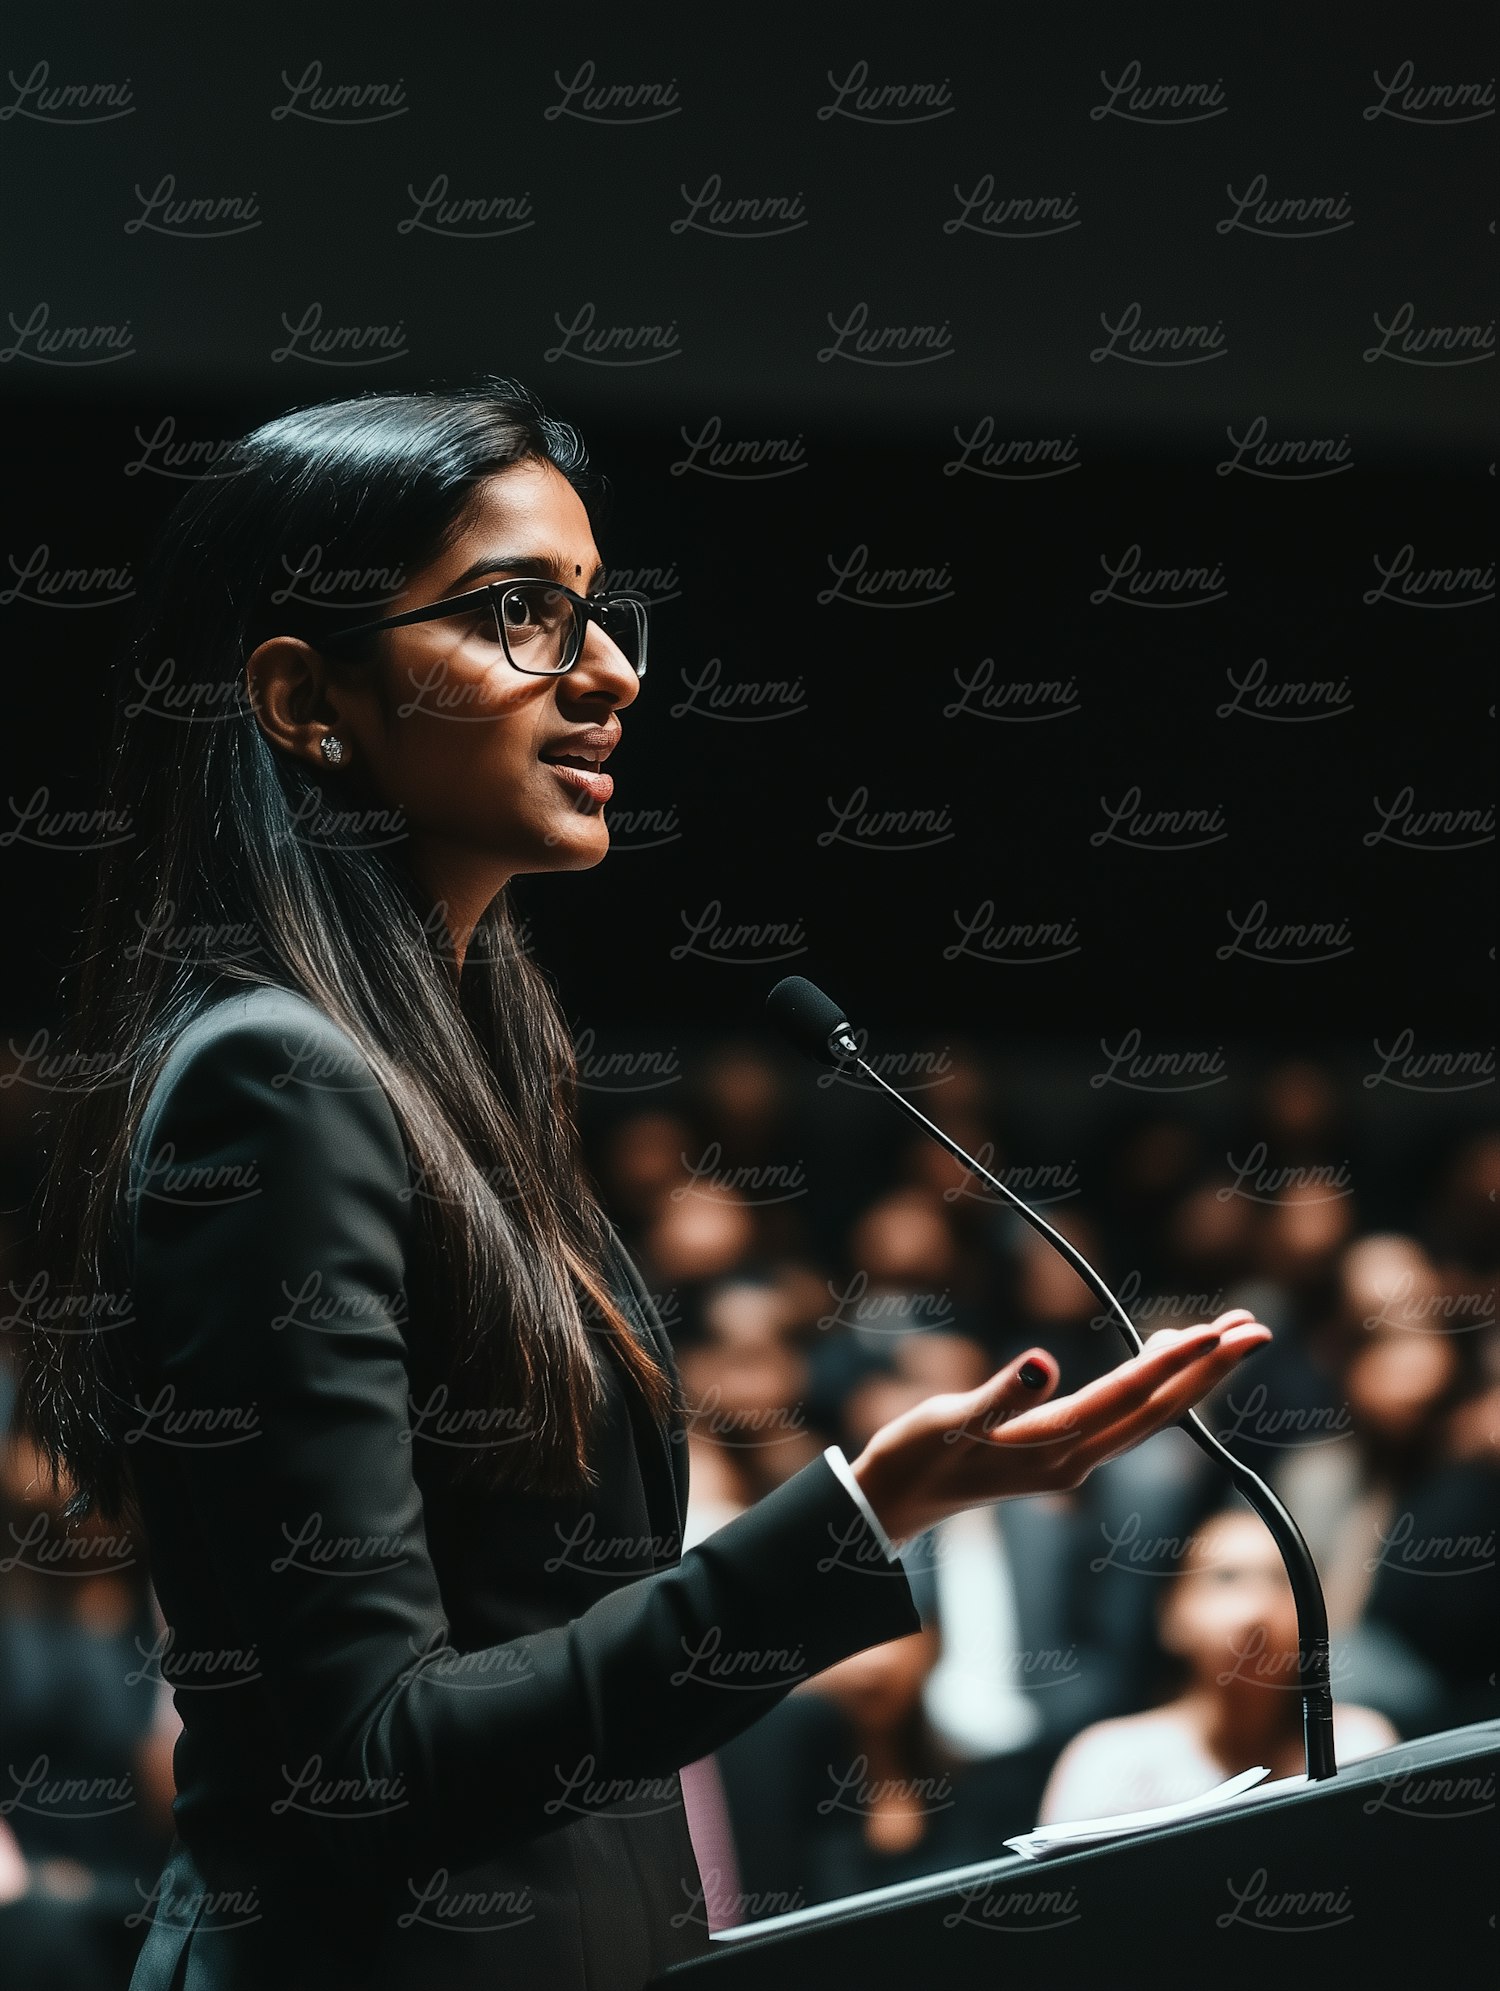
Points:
[(815, 1024)]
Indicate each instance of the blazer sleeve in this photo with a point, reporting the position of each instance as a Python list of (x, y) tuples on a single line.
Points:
[(270, 1218)]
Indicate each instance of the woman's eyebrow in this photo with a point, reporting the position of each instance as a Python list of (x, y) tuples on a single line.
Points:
[(546, 566)]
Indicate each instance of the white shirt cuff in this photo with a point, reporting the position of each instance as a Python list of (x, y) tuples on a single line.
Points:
[(835, 1457)]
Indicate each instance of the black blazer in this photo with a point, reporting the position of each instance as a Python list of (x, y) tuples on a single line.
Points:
[(430, 1738)]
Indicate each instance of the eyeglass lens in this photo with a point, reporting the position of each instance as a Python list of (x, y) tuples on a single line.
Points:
[(535, 623)]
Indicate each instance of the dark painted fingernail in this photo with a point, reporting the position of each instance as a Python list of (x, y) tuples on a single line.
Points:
[(1033, 1375)]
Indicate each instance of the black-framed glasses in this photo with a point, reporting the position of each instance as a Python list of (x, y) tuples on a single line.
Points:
[(538, 625)]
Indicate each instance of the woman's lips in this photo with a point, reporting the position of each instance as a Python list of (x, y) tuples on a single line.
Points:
[(599, 786)]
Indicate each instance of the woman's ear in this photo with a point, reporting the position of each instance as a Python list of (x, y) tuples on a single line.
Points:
[(287, 685)]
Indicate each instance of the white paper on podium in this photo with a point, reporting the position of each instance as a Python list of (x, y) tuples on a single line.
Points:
[(1074, 1835)]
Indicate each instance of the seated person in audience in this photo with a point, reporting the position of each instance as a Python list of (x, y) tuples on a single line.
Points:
[(1229, 1618), (744, 1379), (845, 1786), (1408, 1491)]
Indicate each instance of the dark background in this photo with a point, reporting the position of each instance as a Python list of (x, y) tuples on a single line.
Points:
[(712, 813)]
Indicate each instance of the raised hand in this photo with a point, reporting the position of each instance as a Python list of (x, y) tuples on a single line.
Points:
[(1011, 1437)]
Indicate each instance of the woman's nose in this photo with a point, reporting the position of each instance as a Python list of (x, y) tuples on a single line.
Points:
[(603, 666)]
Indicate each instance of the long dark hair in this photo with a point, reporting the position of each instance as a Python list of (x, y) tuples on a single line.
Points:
[(479, 1067)]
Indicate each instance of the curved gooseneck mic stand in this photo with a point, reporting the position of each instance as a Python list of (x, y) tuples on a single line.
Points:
[(818, 1027)]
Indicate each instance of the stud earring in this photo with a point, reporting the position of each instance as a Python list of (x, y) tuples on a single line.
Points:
[(332, 748)]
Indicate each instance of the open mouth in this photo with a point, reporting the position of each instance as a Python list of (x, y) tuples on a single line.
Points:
[(583, 775)]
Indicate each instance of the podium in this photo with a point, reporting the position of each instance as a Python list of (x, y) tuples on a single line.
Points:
[(1383, 1875)]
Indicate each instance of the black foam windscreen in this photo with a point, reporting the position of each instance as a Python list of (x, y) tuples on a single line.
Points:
[(807, 1017)]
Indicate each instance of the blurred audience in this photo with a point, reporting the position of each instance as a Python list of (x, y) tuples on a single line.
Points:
[(86, 1734), (820, 1267)]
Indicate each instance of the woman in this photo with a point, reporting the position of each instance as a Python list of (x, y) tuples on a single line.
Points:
[(1230, 1621), (394, 1409)]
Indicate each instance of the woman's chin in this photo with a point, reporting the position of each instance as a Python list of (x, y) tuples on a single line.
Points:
[(583, 842)]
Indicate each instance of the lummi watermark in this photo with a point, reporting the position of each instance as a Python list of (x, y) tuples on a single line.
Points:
[(859, 342), (588, 100), (1402, 1066), (738, 943), (1288, 460), (1011, 700), (42, 343), (314, 343), (1127, 96), (1133, 584), (1013, 459), (41, 583), (745, 460), (1283, 217), (1284, 1911), (750, 700), (311, 100), (1408, 343), (1401, 97), (1417, 1790), (437, 210), (858, 581), (1136, 343), (1011, 217), (1191, 1069), (1433, 830), (1283, 701), (738, 217), (1162, 830), (162, 210), (857, 98), (1013, 1910), (1288, 943), (40, 100), (1406, 585), (1032, 943), (898, 828), (189, 461), (1259, 1180), (589, 342)]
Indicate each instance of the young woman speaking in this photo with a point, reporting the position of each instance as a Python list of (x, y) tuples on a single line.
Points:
[(365, 1352)]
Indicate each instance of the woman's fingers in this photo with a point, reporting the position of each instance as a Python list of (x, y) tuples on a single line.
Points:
[(1236, 1317), (1073, 1434), (1177, 1393), (1157, 1387), (1103, 1403)]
